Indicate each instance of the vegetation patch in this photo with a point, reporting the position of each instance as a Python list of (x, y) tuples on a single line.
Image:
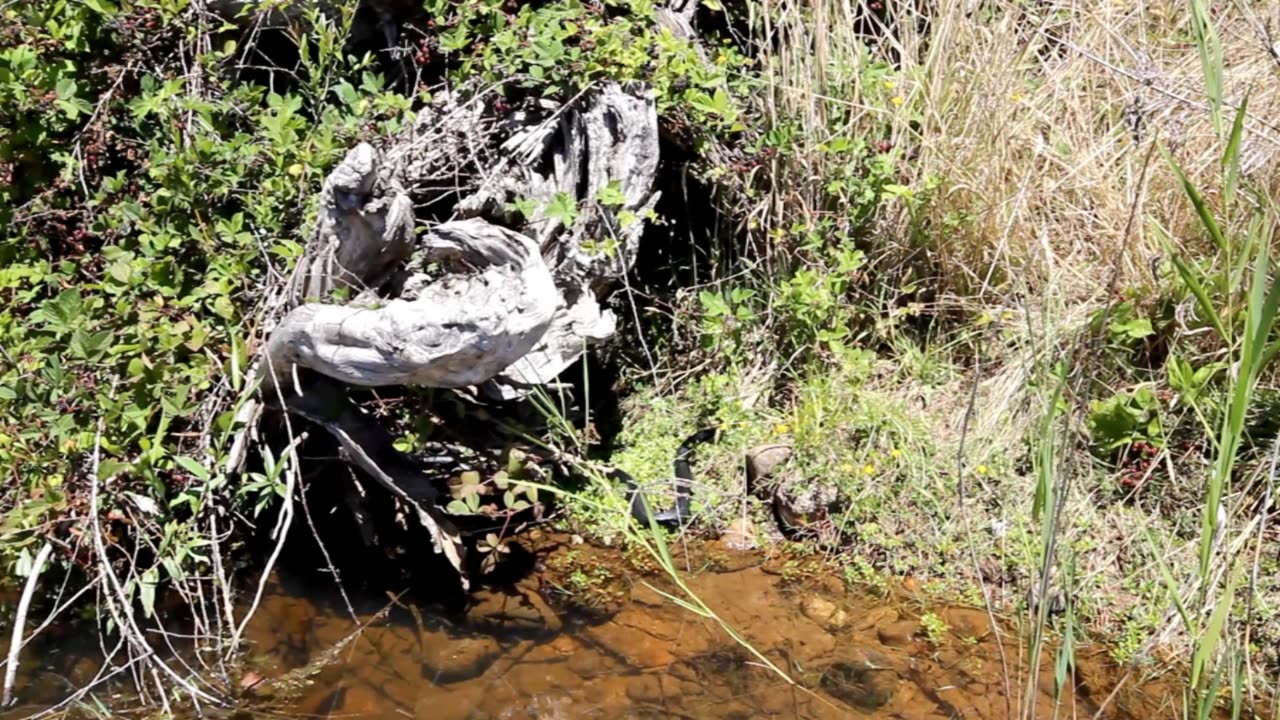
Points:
[(1005, 292)]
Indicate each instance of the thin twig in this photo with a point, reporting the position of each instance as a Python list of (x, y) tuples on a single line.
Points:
[(123, 615), (20, 620), (290, 457), (315, 534)]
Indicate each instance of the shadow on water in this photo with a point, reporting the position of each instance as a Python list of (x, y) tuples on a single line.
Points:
[(613, 647)]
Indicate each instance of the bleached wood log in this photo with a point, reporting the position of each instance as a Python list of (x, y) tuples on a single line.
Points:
[(365, 228), (570, 335), (609, 141), (456, 331)]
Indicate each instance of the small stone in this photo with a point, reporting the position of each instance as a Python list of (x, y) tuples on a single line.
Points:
[(564, 645), (464, 658), (824, 612), (359, 700), (249, 680), (876, 617), (739, 536), (804, 504), (864, 688), (761, 461), (899, 634), (639, 649), (967, 622), (652, 688)]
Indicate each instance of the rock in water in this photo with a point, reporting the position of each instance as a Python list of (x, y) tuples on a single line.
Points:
[(824, 612), (739, 536)]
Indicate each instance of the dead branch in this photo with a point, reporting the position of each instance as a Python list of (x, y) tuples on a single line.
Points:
[(20, 620), (369, 447), (118, 603)]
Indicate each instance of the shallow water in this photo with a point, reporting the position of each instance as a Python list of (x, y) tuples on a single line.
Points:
[(585, 636), (521, 653)]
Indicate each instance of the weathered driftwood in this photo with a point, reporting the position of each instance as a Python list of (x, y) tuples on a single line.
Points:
[(453, 332), (548, 207), (403, 326)]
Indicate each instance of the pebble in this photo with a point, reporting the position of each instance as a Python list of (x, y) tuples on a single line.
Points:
[(824, 612), (967, 622), (898, 634), (739, 536), (867, 689), (762, 459), (877, 617)]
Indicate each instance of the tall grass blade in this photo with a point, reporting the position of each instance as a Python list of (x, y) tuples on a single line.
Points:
[(681, 602), (1046, 452), (1260, 316), (1210, 59), (1208, 642), (1190, 277), (1065, 664), (1231, 157), (1197, 201), (1170, 584)]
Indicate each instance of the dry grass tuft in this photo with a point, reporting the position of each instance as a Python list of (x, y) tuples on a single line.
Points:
[(1034, 124)]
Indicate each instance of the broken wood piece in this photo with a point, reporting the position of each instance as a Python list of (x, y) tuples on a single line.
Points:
[(365, 228)]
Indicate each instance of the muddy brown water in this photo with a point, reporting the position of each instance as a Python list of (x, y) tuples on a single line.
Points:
[(586, 637)]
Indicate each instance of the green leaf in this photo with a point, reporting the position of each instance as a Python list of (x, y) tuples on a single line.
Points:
[(562, 208), (346, 93), (611, 194), (193, 466), (61, 312), (1133, 328), (102, 7), (121, 271)]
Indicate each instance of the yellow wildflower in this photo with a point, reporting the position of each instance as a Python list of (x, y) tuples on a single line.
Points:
[(782, 428), (889, 84), (898, 100), (1016, 97), (869, 469), (896, 453), (982, 469)]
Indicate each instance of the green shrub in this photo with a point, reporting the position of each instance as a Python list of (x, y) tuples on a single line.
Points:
[(144, 214)]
